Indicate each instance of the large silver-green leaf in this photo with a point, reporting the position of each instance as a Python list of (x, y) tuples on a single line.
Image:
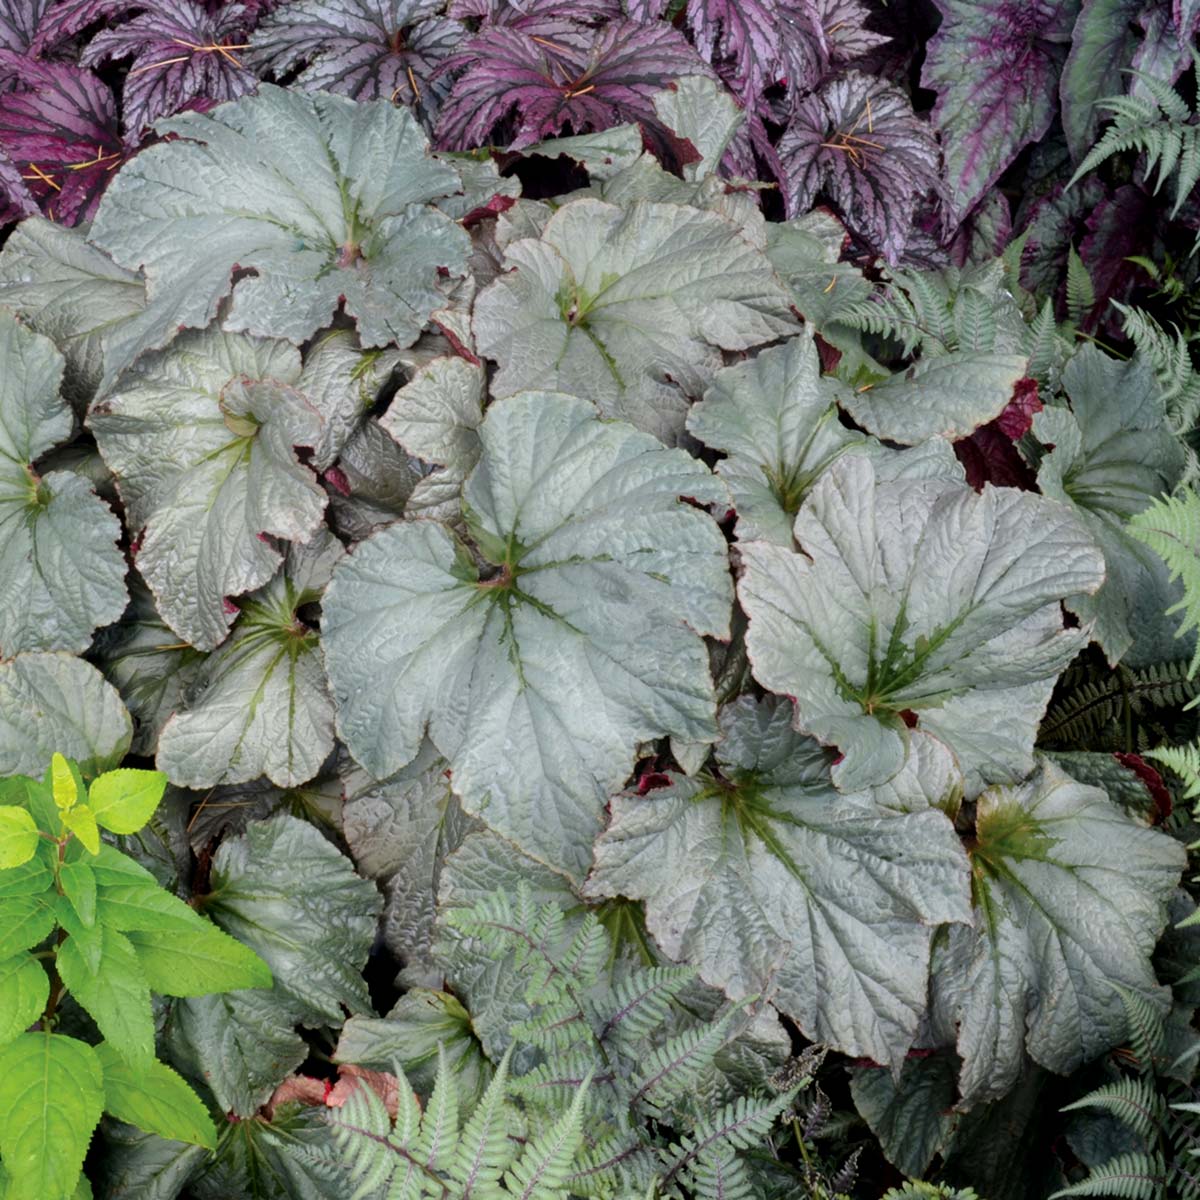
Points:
[(771, 882), (1070, 897), (77, 296), (61, 571), (289, 894), (1113, 453), (201, 438), (259, 704), (947, 395), (630, 307), (52, 702), (776, 418), (400, 831), (317, 199), (436, 417), (921, 597), (539, 670)]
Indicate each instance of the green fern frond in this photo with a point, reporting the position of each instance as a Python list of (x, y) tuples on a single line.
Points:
[(621, 1163), (439, 1125), (1171, 528), (673, 1070), (920, 1189), (1091, 697), (1134, 1101), (1147, 1033), (721, 1177), (544, 1167), (1127, 1176), (484, 1149), (1185, 762), (1171, 360), (639, 1005), (1081, 294)]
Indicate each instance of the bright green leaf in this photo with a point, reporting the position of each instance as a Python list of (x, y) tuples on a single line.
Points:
[(78, 883), (124, 800), (18, 836), (51, 1097), (24, 922), (81, 821), (24, 990), (205, 961), (154, 1098)]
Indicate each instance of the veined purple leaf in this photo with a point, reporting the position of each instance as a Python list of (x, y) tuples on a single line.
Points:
[(995, 67), (520, 88), (842, 25), (368, 49), (181, 53), (66, 18), (523, 14), (1121, 226), (61, 131), (16, 202), (756, 43), (19, 23), (857, 140)]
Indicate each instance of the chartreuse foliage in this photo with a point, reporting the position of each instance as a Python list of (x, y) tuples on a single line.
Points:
[(80, 918)]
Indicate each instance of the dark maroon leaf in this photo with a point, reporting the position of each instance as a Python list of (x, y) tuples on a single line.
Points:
[(1121, 226), (990, 454), (519, 88), (995, 66), (857, 141), (60, 130), (368, 49), (181, 53)]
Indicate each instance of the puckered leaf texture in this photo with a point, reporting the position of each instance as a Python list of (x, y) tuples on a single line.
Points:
[(1070, 897), (857, 141), (321, 200), (919, 597), (767, 879), (539, 666), (629, 307)]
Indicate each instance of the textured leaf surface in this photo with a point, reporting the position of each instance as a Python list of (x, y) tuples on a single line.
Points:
[(537, 680), (206, 960), (995, 68), (155, 1099), (291, 896), (65, 288), (857, 139), (525, 87), (361, 48), (259, 704), (1113, 454), (61, 573), (175, 58), (52, 702), (948, 396), (920, 596), (1070, 899), (776, 419), (766, 878), (320, 197), (202, 440), (51, 1096), (629, 308)]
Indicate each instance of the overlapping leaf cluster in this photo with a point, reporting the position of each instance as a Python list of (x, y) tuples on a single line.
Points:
[(620, 544)]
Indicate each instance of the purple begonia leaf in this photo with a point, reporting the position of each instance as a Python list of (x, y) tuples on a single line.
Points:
[(995, 66), (524, 14), (66, 18), (520, 88), (1120, 227), (181, 53), (1053, 223), (16, 201), (1187, 17), (1102, 46), (368, 49), (756, 43), (61, 132), (1158, 53), (842, 24), (857, 140), (19, 23)]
